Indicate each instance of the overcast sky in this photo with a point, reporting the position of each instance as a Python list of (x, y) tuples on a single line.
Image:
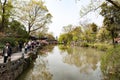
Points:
[(67, 12)]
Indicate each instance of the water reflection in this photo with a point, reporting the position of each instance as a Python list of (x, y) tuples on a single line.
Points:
[(71, 63), (81, 57), (40, 71), (85, 59)]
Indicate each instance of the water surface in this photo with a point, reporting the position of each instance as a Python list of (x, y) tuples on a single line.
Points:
[(73, 63)]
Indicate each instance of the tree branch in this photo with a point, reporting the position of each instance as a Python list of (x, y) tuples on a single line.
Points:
[(39, 27), (112, 2), (91, 11), (36, 29)]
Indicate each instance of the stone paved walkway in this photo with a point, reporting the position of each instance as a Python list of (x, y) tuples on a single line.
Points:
[(14, 56), (17, 55)]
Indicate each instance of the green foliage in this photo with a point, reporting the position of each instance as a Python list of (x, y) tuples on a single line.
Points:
[(84, 44), (111, 16), (102, 46), (21, 40), (68, 28), (62, 47), (110, 64), (89, 33), (16, 29), (103, 35), (1, 46), (66, 38), (11, 40), (89, 36), (50, 36), (76, 33), (72, 34), (34, 14), (5, 13), (93, 27)]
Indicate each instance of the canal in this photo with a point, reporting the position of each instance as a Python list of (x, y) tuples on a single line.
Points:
[(65, 63)]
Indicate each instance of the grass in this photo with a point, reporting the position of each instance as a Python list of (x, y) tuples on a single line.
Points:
[(101, 46)]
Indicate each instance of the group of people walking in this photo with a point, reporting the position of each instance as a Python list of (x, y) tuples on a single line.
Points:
[(30, 45), (27, 46)]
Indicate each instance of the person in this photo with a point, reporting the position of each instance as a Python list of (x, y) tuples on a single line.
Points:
[(20, 45), (26, 46), (7, 51)]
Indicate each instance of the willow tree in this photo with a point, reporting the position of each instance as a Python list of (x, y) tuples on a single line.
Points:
[(33, 14)]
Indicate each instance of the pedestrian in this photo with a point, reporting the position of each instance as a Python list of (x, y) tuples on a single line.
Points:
[(20, 45), (7, 51), (26, 47)]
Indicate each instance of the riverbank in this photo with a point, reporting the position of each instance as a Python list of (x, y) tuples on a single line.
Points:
[(100, 46), (110, 61), (111, 64), (12, 69)]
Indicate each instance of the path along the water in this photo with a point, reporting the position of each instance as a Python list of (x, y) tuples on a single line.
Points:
[(14, 56)]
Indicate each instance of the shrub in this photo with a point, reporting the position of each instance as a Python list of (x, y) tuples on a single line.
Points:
[(101, 46), (110, 64), (1, 46), (84, 44), (11, 40)]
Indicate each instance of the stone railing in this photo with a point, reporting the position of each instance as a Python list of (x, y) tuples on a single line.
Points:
[(12, 69)]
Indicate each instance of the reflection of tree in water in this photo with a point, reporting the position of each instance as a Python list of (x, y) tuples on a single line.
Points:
[(62, 48), (85, 59), (46, 49), (40, 71), (110, 64)]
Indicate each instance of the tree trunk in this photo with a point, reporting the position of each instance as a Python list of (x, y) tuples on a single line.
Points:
[(3, 21), (3, 17), (29, 28), (113, 42)]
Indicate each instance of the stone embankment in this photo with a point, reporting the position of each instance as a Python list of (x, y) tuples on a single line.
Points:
[(18, 63)]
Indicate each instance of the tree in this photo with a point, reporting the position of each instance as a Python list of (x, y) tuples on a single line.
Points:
[(95, 5), (111, 18), (76, 33), (16, 29), (5, 12), (66, 38), (68, 28), (88, 36), (103, 34), (93, 27), (89, 33), (50, 36), (116, 3), (34, 14)]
